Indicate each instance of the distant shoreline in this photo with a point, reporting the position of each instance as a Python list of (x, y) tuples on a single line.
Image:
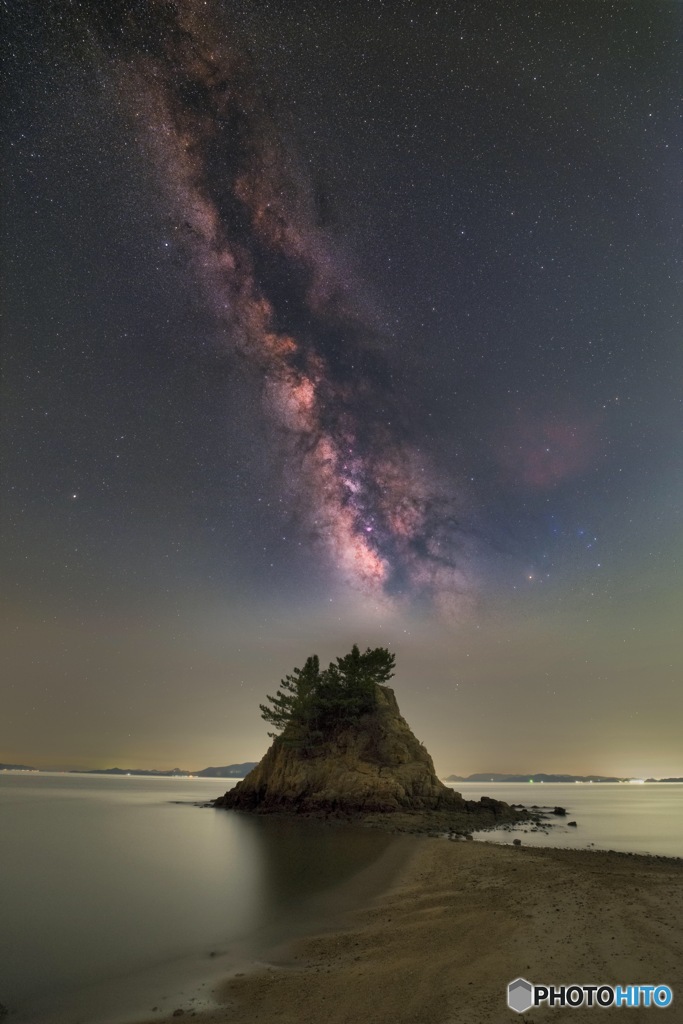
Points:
[(230, 771), (541, 778), (238, 772)]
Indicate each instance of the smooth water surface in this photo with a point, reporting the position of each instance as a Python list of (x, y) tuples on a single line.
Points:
[(103, 877), (119, 894), (627, 817)]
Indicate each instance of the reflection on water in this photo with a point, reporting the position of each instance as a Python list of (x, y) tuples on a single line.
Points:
[(300, 859), (106, 878), (102, 876)]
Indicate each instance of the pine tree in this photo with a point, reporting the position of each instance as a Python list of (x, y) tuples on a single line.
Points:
[(292, 702), (311, 703)]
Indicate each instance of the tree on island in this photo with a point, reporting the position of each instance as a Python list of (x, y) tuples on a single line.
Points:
[(341, 747), (311, 704)]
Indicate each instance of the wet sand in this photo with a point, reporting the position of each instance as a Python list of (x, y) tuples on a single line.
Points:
[(459, 922)]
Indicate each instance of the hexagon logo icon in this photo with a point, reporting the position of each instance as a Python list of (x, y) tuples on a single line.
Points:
[(520, 995)]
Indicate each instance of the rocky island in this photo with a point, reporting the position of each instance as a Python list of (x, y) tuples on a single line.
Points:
[(345, 751), (456, 922)]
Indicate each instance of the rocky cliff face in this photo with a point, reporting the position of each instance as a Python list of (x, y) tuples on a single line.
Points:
[(374, 765)]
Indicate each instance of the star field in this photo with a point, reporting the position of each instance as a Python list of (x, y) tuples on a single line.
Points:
[(342, 324)]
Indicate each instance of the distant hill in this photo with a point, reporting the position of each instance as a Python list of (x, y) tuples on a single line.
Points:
[(173, 772), (230, 771), (664, 780), (537, 777), (17, 768)]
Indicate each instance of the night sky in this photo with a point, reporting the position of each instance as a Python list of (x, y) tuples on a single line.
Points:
[(332, 323)]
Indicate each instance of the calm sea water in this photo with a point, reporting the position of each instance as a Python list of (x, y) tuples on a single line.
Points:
[(119, 894), (609, 816), (115, 899)]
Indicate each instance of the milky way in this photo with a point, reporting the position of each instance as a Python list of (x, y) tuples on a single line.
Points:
[(239, 200), (321, 318)]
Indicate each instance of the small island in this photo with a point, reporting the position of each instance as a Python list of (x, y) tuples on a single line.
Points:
[(341, 749), (456, 923)]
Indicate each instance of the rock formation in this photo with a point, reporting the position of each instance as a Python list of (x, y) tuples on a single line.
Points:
[(374, 765)]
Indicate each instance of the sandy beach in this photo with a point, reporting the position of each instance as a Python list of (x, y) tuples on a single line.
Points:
[(459, 922)]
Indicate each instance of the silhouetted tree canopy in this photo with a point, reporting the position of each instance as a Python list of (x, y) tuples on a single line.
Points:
[(310, 704)]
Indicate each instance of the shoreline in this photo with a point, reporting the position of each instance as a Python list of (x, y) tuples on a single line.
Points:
[(189, 980), (458, 921)]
